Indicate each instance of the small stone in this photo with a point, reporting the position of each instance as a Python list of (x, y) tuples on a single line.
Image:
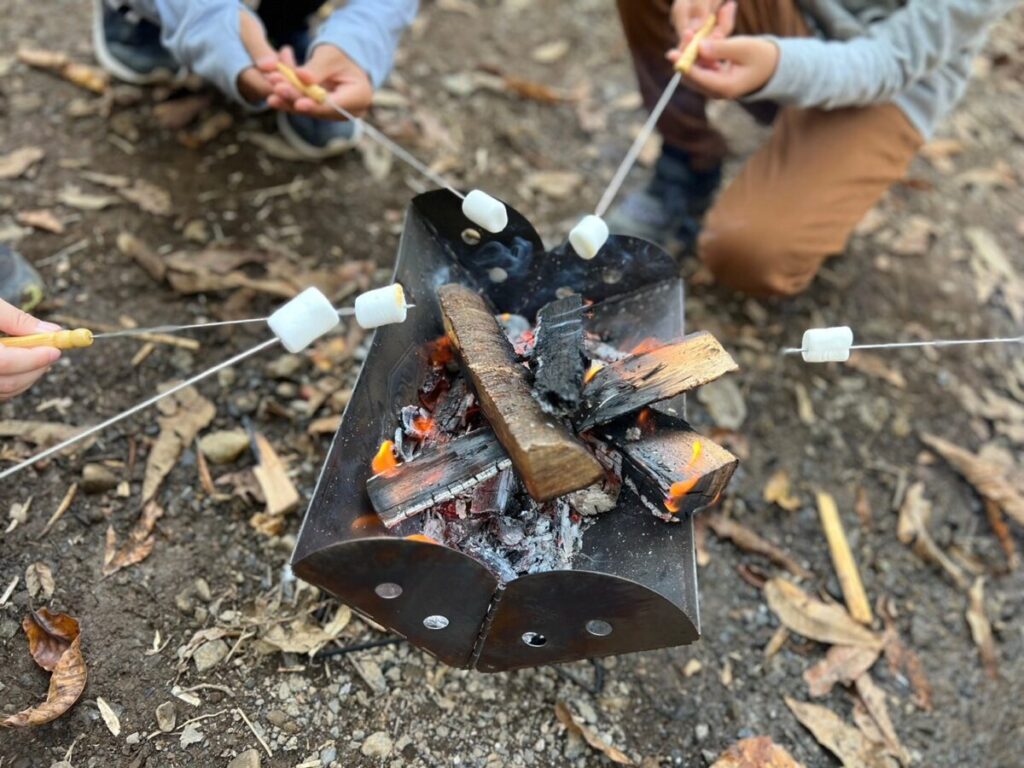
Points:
[(133, 738), (202, 589), (249, 759), (225, 446), (210, 654), (166, 716), (328, 756), (97, 479), (196, 231), (191, 735), (285, 366), (377, 745), (701, 731)]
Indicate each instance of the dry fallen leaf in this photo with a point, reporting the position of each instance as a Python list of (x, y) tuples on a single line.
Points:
[(175, 114), (874, 365), (39, 580), (903, 660), (777, 491), (55, 644), (826, 623), (747, 540), (915, 237), (912, 528), (139, 544), (548, 53), (110, 718), (40, 219), (16, 163), (994, 272), (206, 131), (149, 197), (142, 254), (842, 664), (756, 752), (873, 699), (852, 747), (183, 416), (558, 185), (303, 636), (989, 480), (42, 434), (272, 475), (83, 75), (981, 629), (575, 724), (74, 197)]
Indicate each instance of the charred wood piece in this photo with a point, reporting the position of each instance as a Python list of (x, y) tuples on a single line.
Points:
[(549, 460), (560, 356), (675, 471), (640, 380), (437, 475)]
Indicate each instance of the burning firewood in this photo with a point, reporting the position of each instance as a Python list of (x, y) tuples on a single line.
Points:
[(651, 376), (549, 459)]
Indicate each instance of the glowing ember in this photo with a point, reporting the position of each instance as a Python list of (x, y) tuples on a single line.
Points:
[(595, 366), (385, 458), (647, 345), (643, 421), (424, 426), (440, 352), (679, 489), (422, 537)]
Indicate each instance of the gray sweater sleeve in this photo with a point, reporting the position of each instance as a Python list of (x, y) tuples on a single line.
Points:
[(891, 56)]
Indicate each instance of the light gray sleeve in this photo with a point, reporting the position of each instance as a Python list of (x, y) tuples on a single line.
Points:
[(893, 55), (368, 31)]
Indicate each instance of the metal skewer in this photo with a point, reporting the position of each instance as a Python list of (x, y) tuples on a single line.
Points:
[(915, 344)]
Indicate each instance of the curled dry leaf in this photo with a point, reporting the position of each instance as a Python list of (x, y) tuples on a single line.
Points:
[(55, 645), (39, 580), (777, 491), (747, 540), (149, 197), (851, 746), (981, 629), (109, 716), (756, 752), (16, 163), (912, 528), (842, 664), (183, 416), (989, 479), (40, 219), (873, 699), (903, 660), (304, 636), (74, 197), (807, 616), (136, 249), (574, 724), (139, 544)]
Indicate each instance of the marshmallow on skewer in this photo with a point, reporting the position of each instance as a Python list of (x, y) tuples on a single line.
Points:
[(589, 236), (381, 306), (485, 211), (827, 345), (303, 320)]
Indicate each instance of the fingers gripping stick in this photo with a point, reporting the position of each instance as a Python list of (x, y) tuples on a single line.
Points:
[(315, 92), (689, 55), (76, 339)]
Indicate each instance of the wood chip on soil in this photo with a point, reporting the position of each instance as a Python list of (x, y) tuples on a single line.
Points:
[(756, 752), (842, 560), (981, 628)]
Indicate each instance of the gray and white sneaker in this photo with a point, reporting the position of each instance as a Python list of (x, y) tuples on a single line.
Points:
[(129, 48), (317, 139)]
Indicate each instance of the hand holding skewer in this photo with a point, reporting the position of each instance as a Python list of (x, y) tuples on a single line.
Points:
[(19, 368)]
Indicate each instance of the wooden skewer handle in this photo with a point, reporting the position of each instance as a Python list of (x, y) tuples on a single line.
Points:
[(76, 339), (688, 57), (315, 92)]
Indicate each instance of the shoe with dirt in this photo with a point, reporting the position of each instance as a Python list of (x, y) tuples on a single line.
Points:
[(129, 47), (316, 139), (669, 209), (20, 284)]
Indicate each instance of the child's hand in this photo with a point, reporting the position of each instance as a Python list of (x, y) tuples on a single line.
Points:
[(689, 15), (738, 66), (252, 82), (348, 85), (19, 368)]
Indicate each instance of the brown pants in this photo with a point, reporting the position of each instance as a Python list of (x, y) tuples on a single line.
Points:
[(799, 196)]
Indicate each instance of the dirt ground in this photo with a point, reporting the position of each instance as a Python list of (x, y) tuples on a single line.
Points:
[(917, 268)]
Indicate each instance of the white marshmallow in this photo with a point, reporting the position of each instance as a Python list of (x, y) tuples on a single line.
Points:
[(827, 345), (303, 320), (485, 211), (381, 306), (589, 236)]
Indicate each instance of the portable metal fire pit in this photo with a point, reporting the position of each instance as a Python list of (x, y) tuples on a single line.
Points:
[(633, 584)]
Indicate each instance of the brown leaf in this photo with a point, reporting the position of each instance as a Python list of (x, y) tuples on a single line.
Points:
[(862, 506), (558, 185), (852, 747), (912, 528), (756, 752), (272, 475), (184, 415), (42, 59), (575, 724), (981, 629), (134, 248), (149, 197), (175, 114), (747, 540), (873, 698), (777, 491), (139, 544), (39, 580), (842, 664), (42, 434), (903, 660), (206, 131), (915, 236), (16, 163), (40, 219), (74, 197), (989, 480), (874, 365), (994, 272), (997, 522), (548, 53), (826, 623), (327, 425)]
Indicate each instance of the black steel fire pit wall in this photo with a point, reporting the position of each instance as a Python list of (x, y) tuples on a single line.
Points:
[(635, 585)]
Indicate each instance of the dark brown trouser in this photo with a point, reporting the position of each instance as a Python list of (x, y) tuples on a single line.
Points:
[(799, 196)]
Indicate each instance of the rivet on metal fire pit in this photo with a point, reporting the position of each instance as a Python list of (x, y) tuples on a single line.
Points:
[(498, 275), (534, 639), (435, 622), (611, 275), (599, 628), (388, 590), (471, 236)]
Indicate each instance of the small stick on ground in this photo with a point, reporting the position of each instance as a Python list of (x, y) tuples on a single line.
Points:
[(842, 559), (61, 509), (254, 732)]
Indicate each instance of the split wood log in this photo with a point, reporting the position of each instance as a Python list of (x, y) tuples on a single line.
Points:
[(637, 381), (559, 354), (674, 470), (550, 461), (272, 475), (437, 475)]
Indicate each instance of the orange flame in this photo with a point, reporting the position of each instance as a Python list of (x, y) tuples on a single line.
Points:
[(595, 366), (385, 458), (440, 352), (679, 489), (643, 420), (423, 424), (422, 537), (647, 345)]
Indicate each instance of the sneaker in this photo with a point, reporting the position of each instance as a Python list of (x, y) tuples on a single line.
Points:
[(129, 47), (316, 139), (20, 284), (669, 208)]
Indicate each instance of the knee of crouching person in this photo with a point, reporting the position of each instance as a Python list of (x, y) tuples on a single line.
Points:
[(754, 260)]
